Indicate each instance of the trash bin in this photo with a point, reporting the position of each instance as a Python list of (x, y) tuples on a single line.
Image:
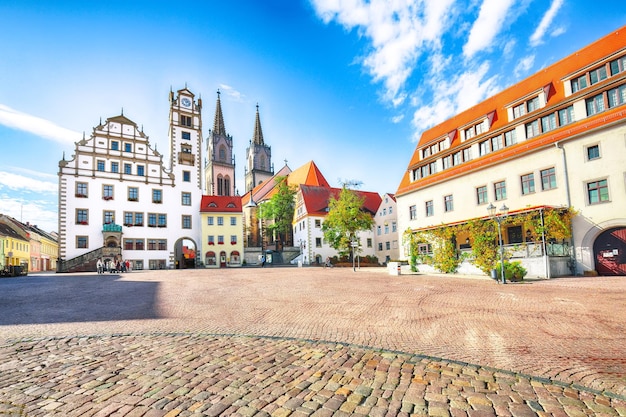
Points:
[(494, 274)]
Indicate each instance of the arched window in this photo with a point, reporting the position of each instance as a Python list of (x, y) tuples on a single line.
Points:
[(262, 162), (220, 185), (235, 258), (226, 186), (209, 258), (222, 153)]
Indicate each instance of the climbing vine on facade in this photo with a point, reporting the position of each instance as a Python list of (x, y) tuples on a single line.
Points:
[(551, 223)]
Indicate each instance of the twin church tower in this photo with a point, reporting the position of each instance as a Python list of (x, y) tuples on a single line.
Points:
[(219, 167)]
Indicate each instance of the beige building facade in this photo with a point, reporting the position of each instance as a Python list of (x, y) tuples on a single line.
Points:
[(556, 141)]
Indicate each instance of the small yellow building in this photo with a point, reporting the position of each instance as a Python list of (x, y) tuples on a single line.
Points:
[(15, 249), (222, 231)]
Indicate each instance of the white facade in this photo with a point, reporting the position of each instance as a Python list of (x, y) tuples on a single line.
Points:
[(387, 243), (116, 192), (309, 237)]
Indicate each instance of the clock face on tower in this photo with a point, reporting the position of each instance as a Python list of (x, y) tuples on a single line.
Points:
[(186, 102)]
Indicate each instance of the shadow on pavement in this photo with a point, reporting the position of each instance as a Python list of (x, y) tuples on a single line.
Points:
[(79, 298)]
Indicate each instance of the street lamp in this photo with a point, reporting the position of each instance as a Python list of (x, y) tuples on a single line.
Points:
[(499, 217), (354, 244)]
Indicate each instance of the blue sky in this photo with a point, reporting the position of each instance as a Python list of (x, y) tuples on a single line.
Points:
[(350, 84)]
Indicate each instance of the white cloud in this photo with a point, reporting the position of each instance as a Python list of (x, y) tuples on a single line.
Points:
[(36, 212), (232, 93), (491, 18), (558, 31), (397, 119), (524, 65), (37, 126), (399, 31), (537, 37), (27, 184), (452, 94)]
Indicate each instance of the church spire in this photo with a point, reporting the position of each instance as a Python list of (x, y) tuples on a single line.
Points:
[(257, 137), (218, 124)]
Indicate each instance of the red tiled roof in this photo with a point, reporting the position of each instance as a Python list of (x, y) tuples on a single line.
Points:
[(220, 204), (316, 199)]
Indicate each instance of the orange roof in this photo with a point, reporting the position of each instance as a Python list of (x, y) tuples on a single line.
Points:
[(308, 174), (495, 108), (220, 204)]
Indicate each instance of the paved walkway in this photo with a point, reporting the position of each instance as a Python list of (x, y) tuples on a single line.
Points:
[(310, 341)]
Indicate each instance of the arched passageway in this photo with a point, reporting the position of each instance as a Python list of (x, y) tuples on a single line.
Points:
[(609, 250)]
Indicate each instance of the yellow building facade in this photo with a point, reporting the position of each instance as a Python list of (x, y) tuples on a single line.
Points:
[(222, 231)]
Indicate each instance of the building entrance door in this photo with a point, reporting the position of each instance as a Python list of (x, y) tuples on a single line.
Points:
[(610, 252)]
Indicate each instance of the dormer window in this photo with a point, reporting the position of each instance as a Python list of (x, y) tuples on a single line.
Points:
[(532, 104), (618, 65), (598, 75), (579, 83), (519, 110), (476, 128), (525, 107)]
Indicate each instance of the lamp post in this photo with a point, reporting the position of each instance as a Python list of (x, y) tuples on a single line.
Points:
[(499, 217), (354, 244), (251, 204)]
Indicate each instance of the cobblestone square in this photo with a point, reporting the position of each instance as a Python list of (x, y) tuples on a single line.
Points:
[(310, 341)]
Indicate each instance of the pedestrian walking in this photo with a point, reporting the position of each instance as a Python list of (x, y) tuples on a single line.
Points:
[(99, 266)]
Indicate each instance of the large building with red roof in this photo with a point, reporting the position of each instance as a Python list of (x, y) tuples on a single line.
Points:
[(312, 206), (556, 140)]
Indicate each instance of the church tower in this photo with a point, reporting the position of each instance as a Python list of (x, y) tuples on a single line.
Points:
[(259, 166), (220, 166), (186, 140)]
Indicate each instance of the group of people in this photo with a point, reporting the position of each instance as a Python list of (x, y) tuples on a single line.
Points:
[(113, 266)]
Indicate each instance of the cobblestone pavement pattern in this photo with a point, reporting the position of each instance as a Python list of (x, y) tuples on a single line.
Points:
[(310, 341)]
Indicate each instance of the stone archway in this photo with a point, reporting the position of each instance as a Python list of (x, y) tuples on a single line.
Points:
[(609, 250), (185, 253)]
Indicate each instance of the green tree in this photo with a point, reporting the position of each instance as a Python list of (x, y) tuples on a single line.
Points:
[(345, 218), (279, 209)]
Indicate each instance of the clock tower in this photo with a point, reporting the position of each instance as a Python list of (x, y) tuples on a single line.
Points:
[(220, 166), (186, 139)]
